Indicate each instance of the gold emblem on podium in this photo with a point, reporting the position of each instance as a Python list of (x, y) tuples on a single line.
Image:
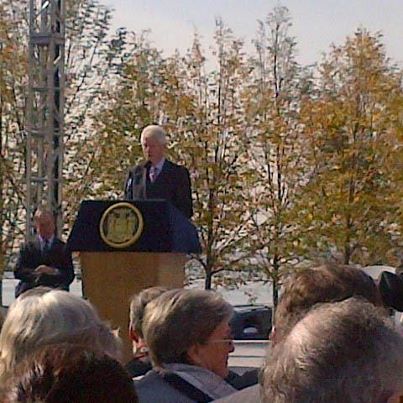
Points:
[(121, 225)]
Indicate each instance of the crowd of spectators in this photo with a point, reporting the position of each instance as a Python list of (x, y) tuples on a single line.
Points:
[(333, 341)]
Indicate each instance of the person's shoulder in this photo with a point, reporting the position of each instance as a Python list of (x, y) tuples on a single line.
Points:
[(174, 166), (247, 395), (152, 388), (61, 248), (150, 377), (58, 241), (137, 367)]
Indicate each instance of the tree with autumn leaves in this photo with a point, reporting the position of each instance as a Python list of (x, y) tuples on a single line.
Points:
[(352, 122), (13, 79), (202, 113), (288, 164), (273, 99), (212, 138), (93, 56), (261, 137)]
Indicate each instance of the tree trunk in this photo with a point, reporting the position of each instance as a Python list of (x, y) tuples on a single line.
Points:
[(275, 293), (347, 245), (275, 282), (347, 254), (207, 281)]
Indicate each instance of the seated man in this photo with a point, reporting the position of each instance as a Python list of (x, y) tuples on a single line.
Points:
[(339, 352), (44, 261)]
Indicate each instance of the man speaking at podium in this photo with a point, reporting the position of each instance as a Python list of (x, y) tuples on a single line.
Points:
[(158, 178)]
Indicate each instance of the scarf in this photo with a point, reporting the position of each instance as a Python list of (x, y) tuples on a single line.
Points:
[(202, 379)]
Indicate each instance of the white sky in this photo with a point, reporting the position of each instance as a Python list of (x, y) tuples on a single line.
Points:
[(316, 23)]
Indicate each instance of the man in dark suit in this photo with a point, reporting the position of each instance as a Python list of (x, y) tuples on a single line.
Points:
[(44, 261), (158, 178)]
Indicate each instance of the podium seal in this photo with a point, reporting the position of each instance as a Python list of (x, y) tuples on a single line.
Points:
[(121, 225)]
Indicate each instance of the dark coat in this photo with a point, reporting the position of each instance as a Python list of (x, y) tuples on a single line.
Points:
[(31, 256), (137, 367), (172, 184), (152, 388)]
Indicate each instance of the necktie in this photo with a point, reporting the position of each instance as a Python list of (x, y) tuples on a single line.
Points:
[(153, 173), (46, 246)]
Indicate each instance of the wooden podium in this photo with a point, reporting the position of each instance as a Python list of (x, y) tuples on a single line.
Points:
[(125, 247)]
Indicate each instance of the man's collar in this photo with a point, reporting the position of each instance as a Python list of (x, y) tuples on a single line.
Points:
[(160, 164), (43, 240)]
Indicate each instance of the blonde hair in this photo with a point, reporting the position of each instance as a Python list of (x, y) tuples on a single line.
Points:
[(42, 317)]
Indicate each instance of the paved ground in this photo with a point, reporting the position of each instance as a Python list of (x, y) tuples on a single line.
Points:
[(248, 353)]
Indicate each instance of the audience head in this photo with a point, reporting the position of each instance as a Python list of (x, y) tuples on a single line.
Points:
[(190, 327), (339, 352), (69, 373), (137, 309), (153, 142), (43, 316), (327, 283)]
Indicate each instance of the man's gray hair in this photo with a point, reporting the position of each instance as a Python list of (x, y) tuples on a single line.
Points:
[(179, 319), (339, 352), (42, 316), (154, 131)]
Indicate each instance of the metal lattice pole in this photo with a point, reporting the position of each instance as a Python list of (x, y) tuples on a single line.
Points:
[(45, 108)]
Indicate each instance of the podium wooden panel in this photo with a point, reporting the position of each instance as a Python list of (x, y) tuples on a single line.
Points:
[(109, 279)]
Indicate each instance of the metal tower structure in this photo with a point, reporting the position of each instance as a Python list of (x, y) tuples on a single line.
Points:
[(45, 107)]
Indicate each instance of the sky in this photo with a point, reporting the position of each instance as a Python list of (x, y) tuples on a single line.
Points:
[(316, 23)]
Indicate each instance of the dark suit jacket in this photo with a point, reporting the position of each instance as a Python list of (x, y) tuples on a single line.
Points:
[(31, 256), (172, 184)]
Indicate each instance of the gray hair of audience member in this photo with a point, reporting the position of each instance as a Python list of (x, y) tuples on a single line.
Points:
[(154, 131), (138, 304), (43, 316), (339, 352), (179, 319)]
